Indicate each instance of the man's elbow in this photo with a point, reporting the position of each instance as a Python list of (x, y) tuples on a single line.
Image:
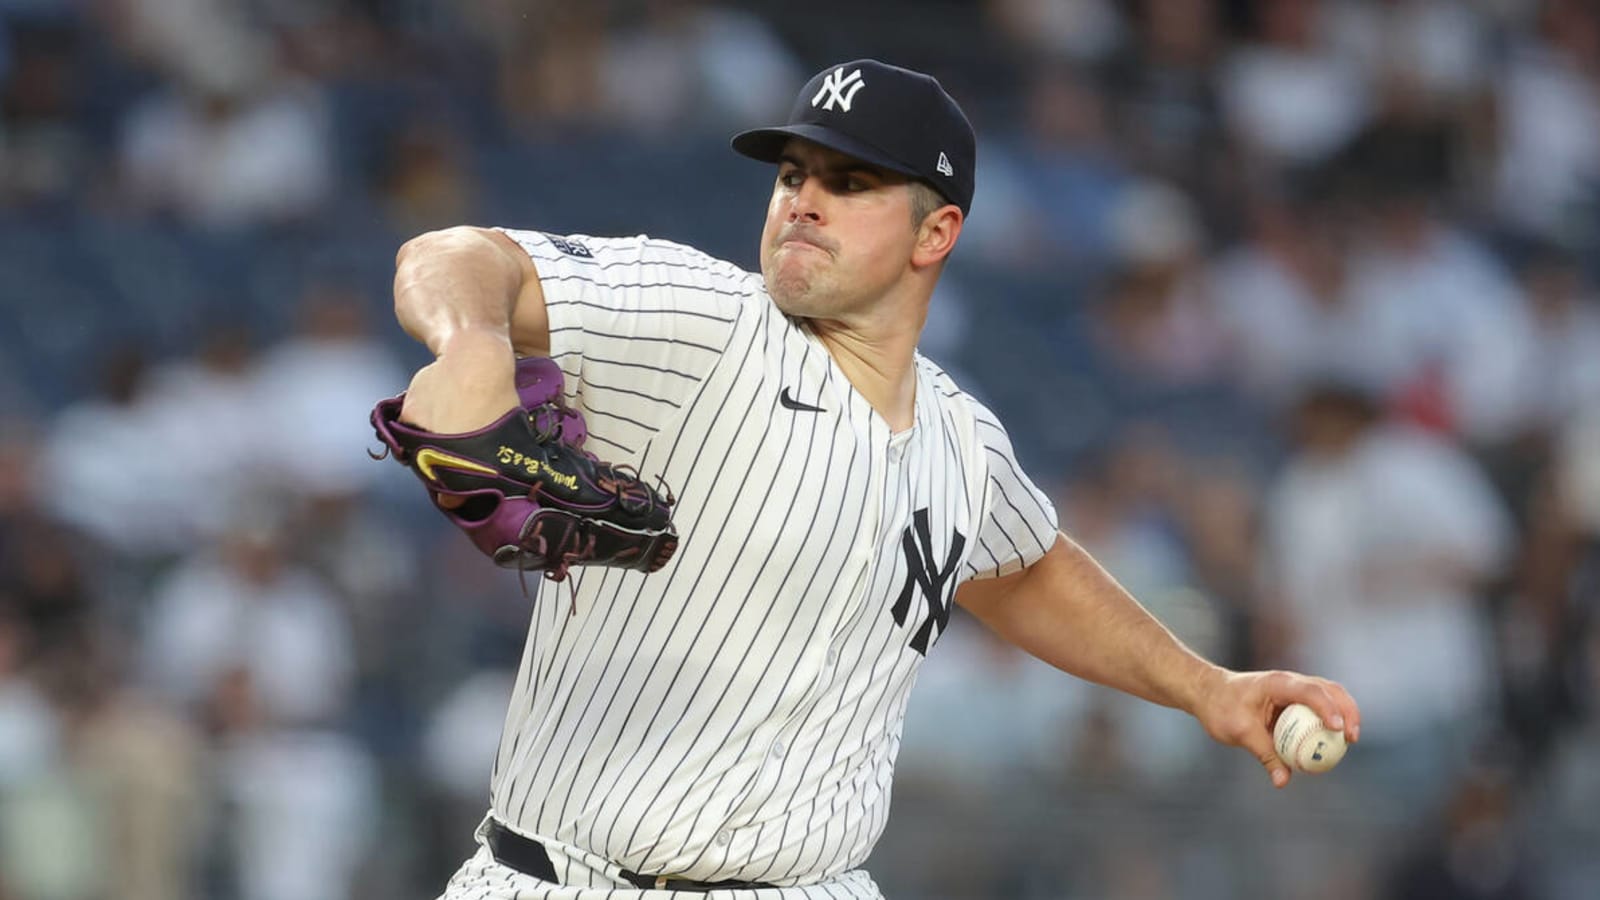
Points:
[(432, 244), (461, 255)]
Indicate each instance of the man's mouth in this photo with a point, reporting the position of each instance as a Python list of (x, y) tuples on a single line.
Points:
[(803, 241)]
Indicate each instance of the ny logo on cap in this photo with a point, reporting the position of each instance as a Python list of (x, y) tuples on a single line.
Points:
[(834, 86)]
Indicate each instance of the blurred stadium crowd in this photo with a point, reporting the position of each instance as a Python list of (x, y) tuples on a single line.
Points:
[(1291, 303)]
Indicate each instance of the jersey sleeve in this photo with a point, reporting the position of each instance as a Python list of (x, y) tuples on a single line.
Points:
[(1019, 522), (636, 324)]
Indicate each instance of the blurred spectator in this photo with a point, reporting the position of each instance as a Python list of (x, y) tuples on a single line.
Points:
[(1477, 852), (1568, 790), (99, 448), (1548, 167), (1219, 518), (459, 743), (549, 67), (698, 65), (204, 414), (194, 42), (424, 184), (1080, 30), (44, 581), (1157, 321), (1291, 95), (305, 814), (1121, 504), (236, 144), (248, 615), (45, 592), (985, 721), (1283, 297), (1449, 331), (671, 65), (1541, 622), (1380, 542), (142, 768), (28, 726), (44, 809), (1169, 115), (316, 389), (362, 550), (991, 712), (260, 649), (100, 789), (1566, 321), (44, 155), (1047, 194), (1577, 462), (1124, 508), (1437, 49)]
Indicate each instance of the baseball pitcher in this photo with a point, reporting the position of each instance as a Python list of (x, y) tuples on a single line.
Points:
[(774, 501)]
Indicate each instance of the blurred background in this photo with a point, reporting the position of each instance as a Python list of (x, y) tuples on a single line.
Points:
[(1290, 304)]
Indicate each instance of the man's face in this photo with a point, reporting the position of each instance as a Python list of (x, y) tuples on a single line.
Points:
[(838, 234)]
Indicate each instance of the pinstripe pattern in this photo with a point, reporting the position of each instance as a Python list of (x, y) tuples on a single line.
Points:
[(737, 714)]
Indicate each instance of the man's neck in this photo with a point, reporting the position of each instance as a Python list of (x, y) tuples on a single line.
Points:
[(879, 365)]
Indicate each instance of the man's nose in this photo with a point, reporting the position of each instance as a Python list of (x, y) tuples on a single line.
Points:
[(807, 203)]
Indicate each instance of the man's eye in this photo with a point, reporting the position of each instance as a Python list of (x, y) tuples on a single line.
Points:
[(855, 185), (790, 179)]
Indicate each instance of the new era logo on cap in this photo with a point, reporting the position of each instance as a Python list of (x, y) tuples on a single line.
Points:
[(884, 115)]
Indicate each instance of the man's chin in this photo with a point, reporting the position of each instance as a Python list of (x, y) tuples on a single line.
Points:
[(788, 304), (789, 291)]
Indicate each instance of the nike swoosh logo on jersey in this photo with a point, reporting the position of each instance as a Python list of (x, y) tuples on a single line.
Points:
[(427, 458), (791, 403)]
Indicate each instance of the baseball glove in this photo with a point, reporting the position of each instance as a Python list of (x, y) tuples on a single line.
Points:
[(534, 500)]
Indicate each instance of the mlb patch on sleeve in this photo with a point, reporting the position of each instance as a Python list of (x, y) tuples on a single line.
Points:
[(570, 247)]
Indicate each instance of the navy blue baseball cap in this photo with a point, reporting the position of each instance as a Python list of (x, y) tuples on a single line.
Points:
[(891, 117)]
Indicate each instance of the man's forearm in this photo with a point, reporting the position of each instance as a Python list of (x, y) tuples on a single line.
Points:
[(1068, 611), (473, 297)]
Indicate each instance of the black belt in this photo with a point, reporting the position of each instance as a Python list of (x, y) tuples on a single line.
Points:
[(529, 857)]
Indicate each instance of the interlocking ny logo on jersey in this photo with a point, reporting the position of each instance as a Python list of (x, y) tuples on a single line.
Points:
[(834, 86), (920, 573)]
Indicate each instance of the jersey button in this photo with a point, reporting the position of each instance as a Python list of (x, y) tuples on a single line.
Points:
[(777, 750), (833, 656), (722, 838)]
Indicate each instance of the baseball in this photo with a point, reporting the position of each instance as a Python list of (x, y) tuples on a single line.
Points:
[(1303, 743)]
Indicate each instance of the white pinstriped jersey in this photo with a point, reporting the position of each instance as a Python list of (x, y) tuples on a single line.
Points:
[(737, 714)]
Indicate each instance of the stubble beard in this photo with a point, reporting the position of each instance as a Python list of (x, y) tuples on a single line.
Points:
[(798, 290)]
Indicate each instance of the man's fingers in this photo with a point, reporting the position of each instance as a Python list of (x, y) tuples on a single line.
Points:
[(1316, 695), (1276, 770), (1328, 699), (1256, 737), (1352, 712)]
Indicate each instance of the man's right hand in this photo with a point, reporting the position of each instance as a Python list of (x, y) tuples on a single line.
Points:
[(470, 385)]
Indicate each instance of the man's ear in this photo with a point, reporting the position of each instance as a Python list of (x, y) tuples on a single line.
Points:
[(936, 236)]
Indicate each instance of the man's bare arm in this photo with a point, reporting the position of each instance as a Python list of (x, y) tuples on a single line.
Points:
[(1068, 611), (472, 296)]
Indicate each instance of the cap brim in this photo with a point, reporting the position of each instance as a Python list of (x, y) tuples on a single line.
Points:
[(766, 144)]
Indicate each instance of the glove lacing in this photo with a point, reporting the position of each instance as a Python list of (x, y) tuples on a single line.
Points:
[(556, 431)]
